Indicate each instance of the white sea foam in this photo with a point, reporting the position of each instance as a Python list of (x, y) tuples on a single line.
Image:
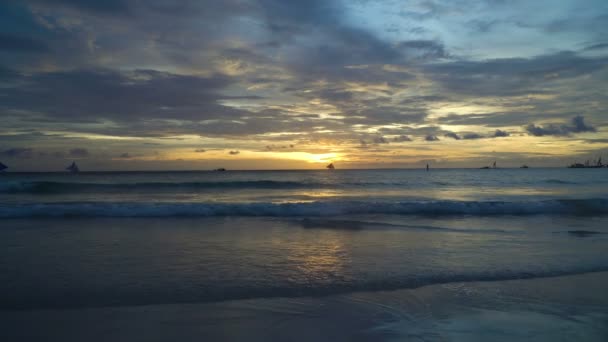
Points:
[(304, 209)]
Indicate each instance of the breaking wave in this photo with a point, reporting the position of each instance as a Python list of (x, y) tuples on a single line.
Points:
[(305, 209)]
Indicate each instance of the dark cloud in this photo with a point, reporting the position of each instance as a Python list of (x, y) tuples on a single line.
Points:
[(577, 125), (512, 76), (200, 150), (425, 49), (402, 138), (380, 140), (105, 6), (482, 26), (501, 119), (97, 94), (234, 152), (17, 43), (500, 133), (421, 100), (452, 135), (278, 147), (431, 138), (599, 46), (17, 152), (125, 155), (466, 136), (472, 136), (78, 153)]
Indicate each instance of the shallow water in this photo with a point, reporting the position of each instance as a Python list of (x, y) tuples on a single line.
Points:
[(250, 246)]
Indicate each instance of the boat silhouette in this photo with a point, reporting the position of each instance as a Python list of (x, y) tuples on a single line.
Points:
[(487, 167), (588, 165), (3, 167), (331, 166), (73, 168)]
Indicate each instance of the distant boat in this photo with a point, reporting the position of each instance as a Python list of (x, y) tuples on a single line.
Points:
[(73, 168), (331, 166), (221, 169), (588, 165), (524, 167), (487, 167), (3, 167)]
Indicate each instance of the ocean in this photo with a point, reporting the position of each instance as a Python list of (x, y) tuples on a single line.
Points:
[(352, 255)]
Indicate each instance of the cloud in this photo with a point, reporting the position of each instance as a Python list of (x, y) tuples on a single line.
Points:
[(380, 140), (431, 138), (539, 131), (466, 136), (500, 133), (17, 43), (125, 155), (482, 26), (402, 138), (425, 49), (105, 6), (472, 136), (599, 46), (278, 147), (78, 153), (452, 135), (512, 76), (17, 152), (577, 125), (233, 153), (200, 150), (94, 94)]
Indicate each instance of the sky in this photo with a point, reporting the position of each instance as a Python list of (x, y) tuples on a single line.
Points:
[(272, 84)]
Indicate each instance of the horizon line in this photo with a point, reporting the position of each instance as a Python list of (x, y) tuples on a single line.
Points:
[(320, 169)]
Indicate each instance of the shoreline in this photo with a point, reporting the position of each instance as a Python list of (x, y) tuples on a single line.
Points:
[(533, 309)]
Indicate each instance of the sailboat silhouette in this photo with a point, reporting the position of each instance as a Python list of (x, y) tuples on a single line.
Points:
[(3, 167), (73, 168), (331, 166)]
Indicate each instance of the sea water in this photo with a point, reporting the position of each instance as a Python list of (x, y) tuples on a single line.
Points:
[(497, 254)]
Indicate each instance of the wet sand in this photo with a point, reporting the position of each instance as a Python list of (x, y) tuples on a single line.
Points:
[(544, 309)]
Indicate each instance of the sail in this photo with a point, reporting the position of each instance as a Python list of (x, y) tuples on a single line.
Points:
[(331, 166), (494, 165), (73, 168), (3, 167)]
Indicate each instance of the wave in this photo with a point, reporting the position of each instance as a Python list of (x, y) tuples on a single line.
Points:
[(59, 187), (213, 292), (306, 209), (310, 223), (559, 181)]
